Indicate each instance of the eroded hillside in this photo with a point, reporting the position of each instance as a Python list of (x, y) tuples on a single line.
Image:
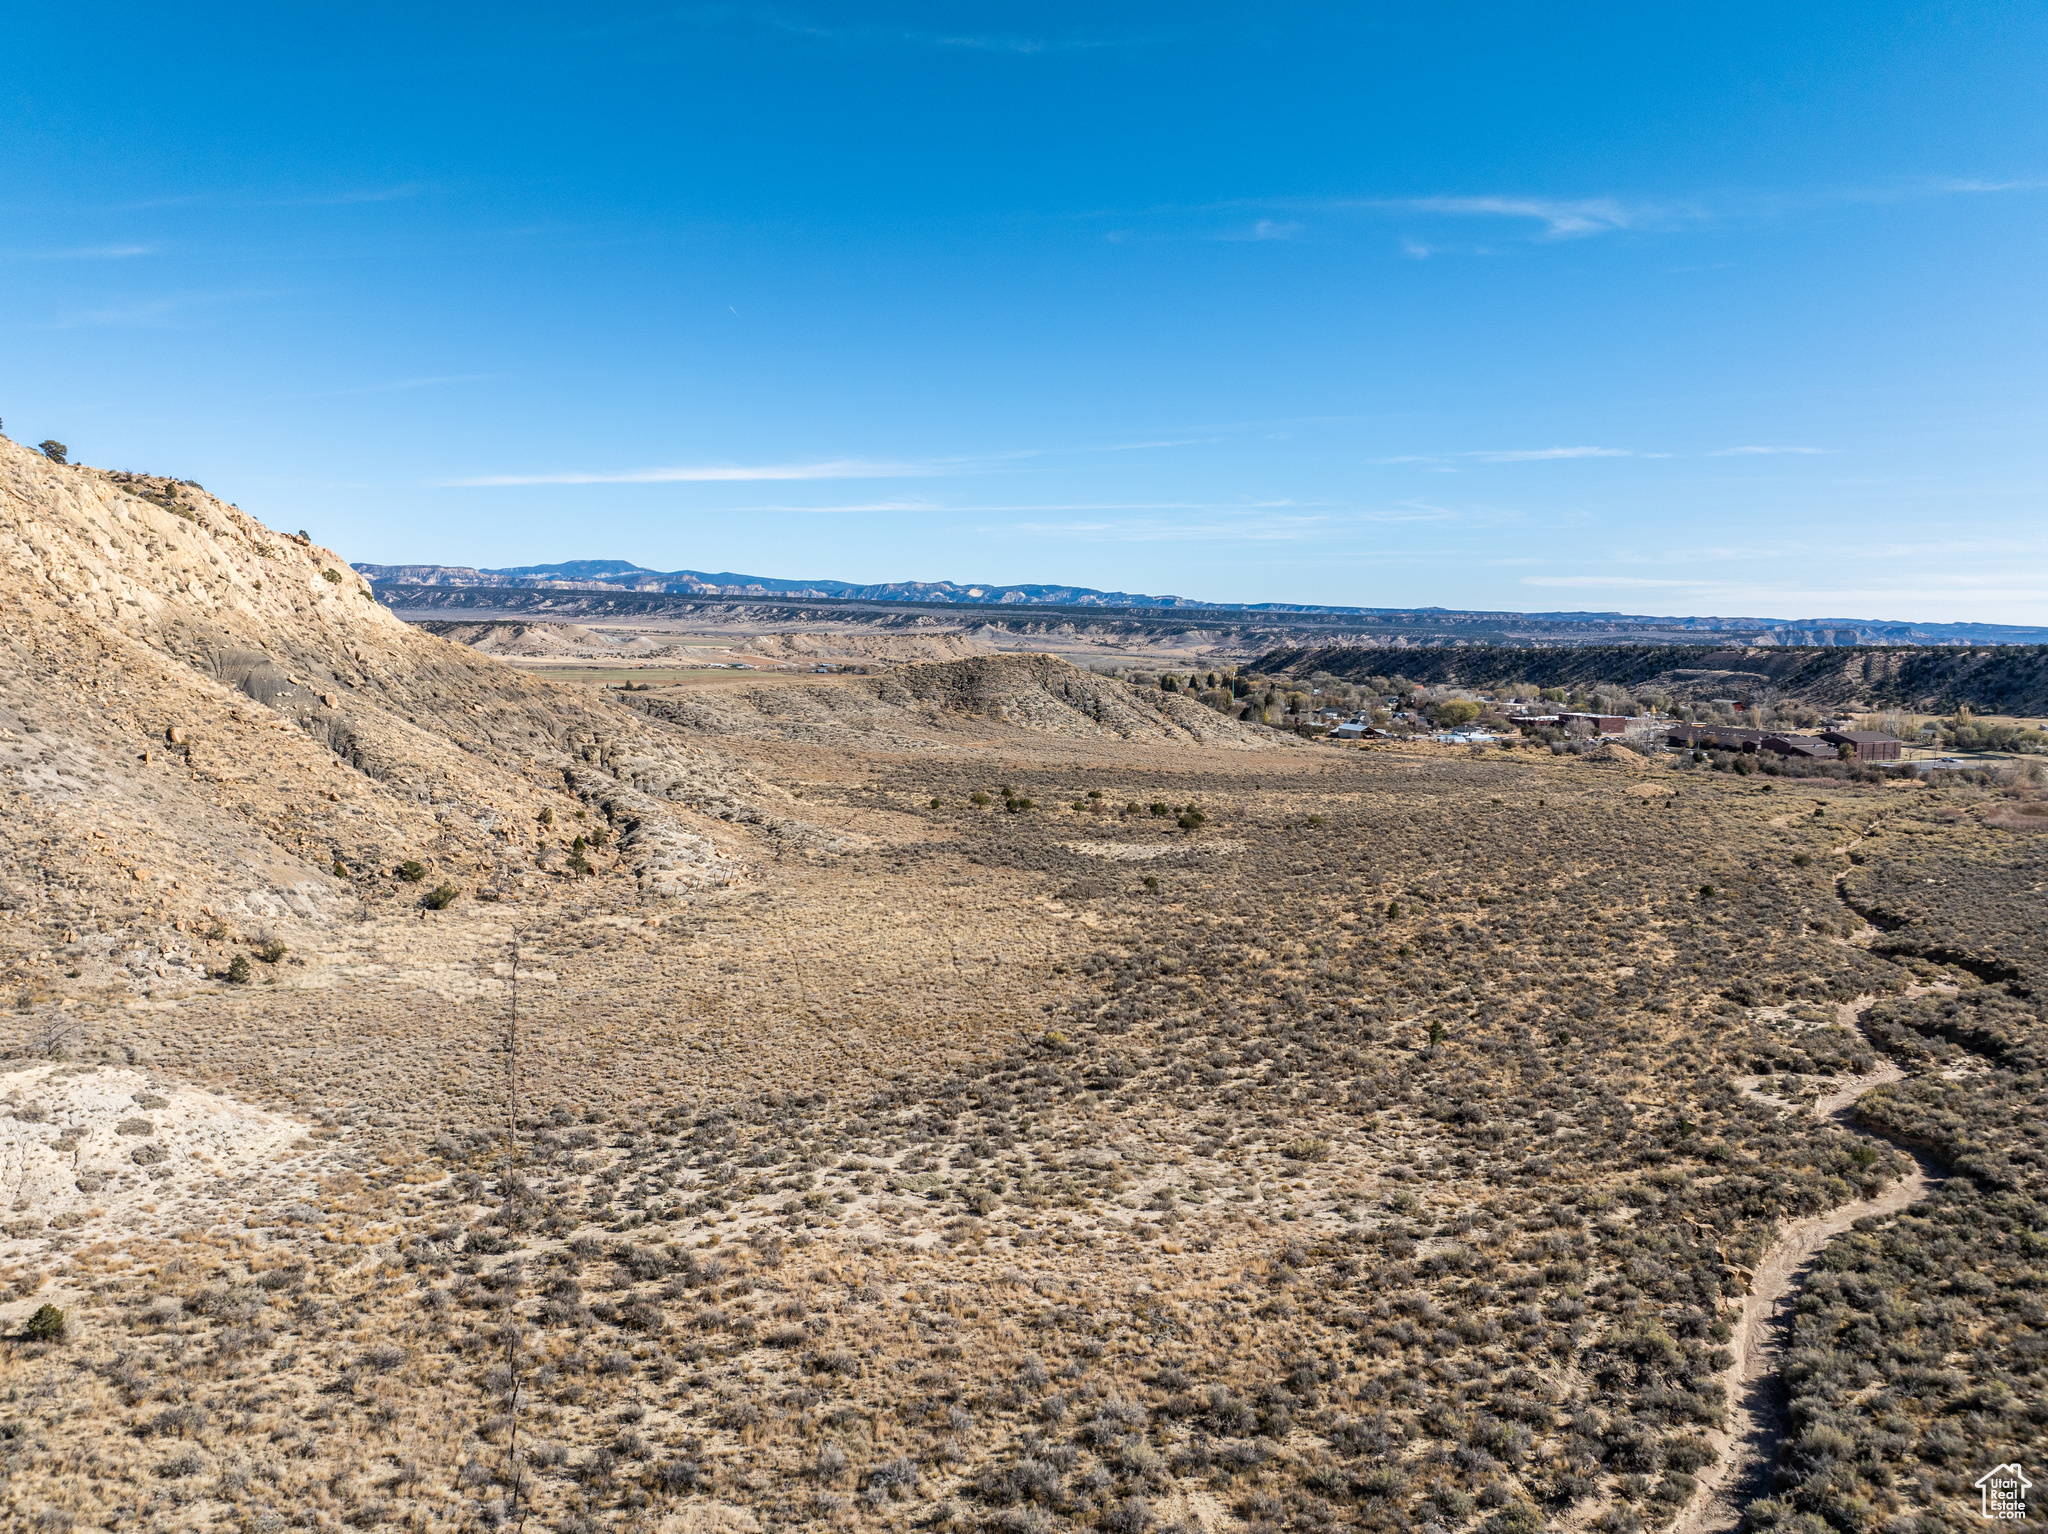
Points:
[(937, 704)]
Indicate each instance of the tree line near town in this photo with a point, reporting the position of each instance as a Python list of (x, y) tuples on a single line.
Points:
[(1398, 703), (1996, 679)]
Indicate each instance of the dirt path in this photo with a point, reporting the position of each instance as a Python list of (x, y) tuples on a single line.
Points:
[(1749, 1445)]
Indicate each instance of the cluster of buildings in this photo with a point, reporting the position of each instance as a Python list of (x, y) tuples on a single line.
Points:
[(1825, 745), (1828, 745)]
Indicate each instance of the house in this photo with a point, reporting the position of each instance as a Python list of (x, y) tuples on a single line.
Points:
[(1351, 731), (1716, 737), (1728, 737), (1869, 745), (1603, 724)]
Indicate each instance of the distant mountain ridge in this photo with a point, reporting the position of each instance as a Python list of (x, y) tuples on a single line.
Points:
[(618, 575)]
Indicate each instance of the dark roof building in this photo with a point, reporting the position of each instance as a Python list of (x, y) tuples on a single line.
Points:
[(1728, 737), (1722, 737), (1869, 745), (1805, 746)]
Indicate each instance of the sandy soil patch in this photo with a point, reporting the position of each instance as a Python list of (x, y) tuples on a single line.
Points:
[(1139, 852), (82, 1145)]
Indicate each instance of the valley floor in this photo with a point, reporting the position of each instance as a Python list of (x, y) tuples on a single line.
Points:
[(1371, 1155)]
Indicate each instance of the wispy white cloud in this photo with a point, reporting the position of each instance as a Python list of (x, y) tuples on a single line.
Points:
[(1572, 218), (1761, 452), (1607, 582), (1517, 455), (1959, 595), (166, 310), (851, 468), (342, 198), (1936, 186), (83, 253), (1278, 521), (1426, 511), (1265, 229), (1545, 454), (1697, 560), (834, 510), (984, 510), (352, 196), (144, 311), (1160, 530), (997, 42), (1554, 219), (399, 384), (798, 25), (1552, 454), (1562, 218)]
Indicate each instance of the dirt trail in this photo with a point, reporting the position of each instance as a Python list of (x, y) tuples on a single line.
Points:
[(1750, 1444)]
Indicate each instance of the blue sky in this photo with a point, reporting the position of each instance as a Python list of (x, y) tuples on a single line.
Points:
[(1658, 308)]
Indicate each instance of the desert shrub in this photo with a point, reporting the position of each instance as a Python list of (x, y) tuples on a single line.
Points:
[(893, 1473), (46, 1325), (53, 450), (677, 1475), (1130, 1516), (271, 950), (412, 871), (238, 970), (440, 897)]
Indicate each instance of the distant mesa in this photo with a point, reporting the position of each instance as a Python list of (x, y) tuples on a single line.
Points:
[(518, 588), (619, 575)]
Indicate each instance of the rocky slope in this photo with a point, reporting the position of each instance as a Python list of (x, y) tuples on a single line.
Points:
[(940, 702), (1041, 693), (204, 721), (544, 641)]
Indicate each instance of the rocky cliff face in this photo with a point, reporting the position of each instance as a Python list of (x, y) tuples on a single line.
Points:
[(203, 720)]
